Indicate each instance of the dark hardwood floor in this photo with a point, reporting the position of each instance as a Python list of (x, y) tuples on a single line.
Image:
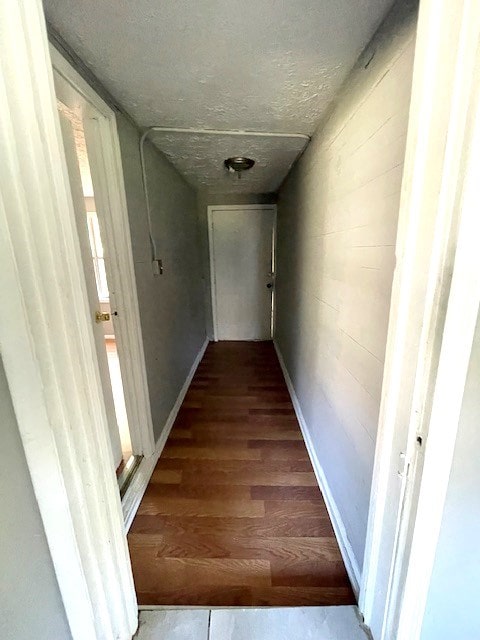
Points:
[(232, 515)]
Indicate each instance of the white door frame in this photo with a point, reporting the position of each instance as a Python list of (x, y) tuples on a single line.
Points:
[(435, 302), (115, 231), (47, 343), (237, 207)]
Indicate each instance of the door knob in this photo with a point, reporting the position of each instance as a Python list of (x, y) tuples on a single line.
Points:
[(101, 317)]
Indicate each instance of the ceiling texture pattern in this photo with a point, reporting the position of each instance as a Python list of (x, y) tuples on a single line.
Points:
[(199, 158), (250, 65)]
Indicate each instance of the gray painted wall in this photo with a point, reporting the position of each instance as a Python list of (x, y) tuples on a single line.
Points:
[(30, 602), (452, 609), (204, 200), (172, 310), (337, 223)]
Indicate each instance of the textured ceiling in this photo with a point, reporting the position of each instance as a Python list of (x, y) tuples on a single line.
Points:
[(266, 65), (200, 159)]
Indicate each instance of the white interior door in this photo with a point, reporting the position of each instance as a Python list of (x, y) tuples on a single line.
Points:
[(241, 255), (68, 135), (75, 113)]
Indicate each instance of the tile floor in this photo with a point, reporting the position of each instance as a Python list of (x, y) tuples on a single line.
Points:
[(287, 623)]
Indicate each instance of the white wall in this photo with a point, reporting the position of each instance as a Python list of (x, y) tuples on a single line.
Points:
[(30, 602), (337, 222), (452, 609)]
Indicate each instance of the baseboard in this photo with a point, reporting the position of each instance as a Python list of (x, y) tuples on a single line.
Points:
[(134, 494), (346, 550)]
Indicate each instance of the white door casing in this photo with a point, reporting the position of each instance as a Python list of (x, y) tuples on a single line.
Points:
[(47, 343), (435, 298), (241, 242)]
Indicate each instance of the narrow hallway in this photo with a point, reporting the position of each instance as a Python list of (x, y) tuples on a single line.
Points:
[(232, 515), (240, 344)]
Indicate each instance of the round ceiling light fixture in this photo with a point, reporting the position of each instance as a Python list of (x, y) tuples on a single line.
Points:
[(238, 164)]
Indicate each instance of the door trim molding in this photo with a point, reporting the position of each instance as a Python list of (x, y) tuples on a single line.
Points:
[(48, 347), (230, 207), (434, 309), (458, 203), (115, 230)]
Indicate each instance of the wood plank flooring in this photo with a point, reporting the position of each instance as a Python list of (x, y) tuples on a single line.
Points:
[(233, 515)]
